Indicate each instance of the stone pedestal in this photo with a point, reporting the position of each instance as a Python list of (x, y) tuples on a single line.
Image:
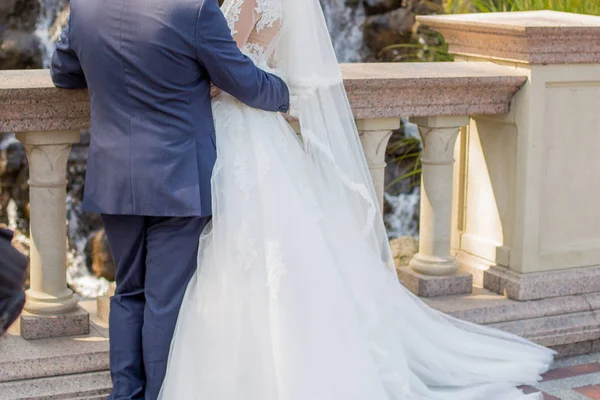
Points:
[(38, 326), (434, 286), (51, 306), (542, 285)]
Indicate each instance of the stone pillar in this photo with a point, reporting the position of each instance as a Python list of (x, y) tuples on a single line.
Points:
[(374, 136), (433, 271), (51, 308), (529, 237)]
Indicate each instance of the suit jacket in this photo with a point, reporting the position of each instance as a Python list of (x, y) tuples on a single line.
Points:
[(148, 65)]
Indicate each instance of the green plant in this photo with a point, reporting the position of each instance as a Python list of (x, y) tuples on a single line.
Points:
[(574, 6), (428, 46), (405, 151)]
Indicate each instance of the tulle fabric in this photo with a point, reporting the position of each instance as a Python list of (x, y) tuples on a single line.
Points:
[(291, 303)]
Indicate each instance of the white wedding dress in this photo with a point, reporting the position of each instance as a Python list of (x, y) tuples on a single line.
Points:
[(295, 297)]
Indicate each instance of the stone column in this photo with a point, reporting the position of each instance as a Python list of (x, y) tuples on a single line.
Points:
[(51, 308), (433, 271), (530, 237), (374, 136)]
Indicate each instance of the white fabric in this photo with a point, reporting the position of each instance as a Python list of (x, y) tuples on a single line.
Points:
[(295, 297)]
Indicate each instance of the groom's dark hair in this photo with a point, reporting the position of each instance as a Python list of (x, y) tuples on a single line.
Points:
[(13, 271)]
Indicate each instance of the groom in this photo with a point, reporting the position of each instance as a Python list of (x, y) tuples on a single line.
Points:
[(149, 65)]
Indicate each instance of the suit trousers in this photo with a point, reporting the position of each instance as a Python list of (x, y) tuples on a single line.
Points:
[(155, 258)]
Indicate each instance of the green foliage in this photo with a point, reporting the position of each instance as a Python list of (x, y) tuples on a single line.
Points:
[(405, 151), (428, 46), (574, 6)]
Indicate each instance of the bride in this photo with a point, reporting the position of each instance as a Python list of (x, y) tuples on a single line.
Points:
[(296, 296)]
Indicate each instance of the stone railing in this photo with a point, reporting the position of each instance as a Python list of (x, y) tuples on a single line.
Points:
[(438, 97), (529, 225), (512, 201)]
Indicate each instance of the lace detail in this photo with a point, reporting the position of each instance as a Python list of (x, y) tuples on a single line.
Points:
[(270, 11), (263, 162), (242, 174), (255, 51), (275, 267), (232, 14), (245, 244)]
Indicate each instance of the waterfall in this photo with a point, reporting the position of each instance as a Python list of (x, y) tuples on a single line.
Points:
[(11, 210), (401, 220), (345, 26), (49, 10), (78, 274)]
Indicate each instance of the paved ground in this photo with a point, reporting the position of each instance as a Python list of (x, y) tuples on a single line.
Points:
[(576, 378)]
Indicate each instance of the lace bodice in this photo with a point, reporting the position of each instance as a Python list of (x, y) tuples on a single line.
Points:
[(254, 25)]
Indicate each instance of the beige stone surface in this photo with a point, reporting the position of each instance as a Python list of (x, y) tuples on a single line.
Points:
[(486, 307), (528, 186), (48, 295), (535, 37), (439, 134), (556, 330), (543, 285), (429, 89), (72, 323), (374, 137), (569, 324), (532, 21), (435, 286), (74, 367), (89, 386), (23, 359), (29, 102)]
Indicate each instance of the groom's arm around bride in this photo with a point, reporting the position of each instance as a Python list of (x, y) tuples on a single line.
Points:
[(148, 65), (216, 52)]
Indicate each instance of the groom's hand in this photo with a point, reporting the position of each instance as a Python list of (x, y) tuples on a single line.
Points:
[(214, 91)]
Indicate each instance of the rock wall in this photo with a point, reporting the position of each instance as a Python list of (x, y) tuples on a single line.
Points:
[(392, 22), (28, 29), (19, 47)]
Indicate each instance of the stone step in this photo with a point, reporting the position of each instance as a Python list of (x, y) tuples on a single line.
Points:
[(556, 330), (75, 368), (31, 359), (22, 359), (88, 386), (569, 324), (485, 307)]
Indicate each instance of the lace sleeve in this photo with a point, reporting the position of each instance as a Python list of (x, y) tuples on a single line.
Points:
[(253, 23), (255, 26), (241, 17)]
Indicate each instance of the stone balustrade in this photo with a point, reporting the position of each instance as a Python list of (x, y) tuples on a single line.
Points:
[(531, 227), (440, 98)]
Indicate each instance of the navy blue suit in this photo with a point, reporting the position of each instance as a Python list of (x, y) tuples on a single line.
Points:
[(148, 65)]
